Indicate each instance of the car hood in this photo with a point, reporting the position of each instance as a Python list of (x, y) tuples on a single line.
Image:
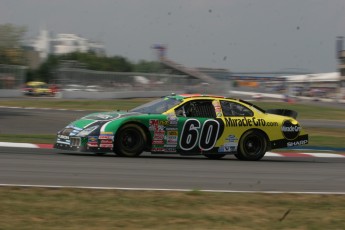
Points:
[(100, 118), (107, 116)]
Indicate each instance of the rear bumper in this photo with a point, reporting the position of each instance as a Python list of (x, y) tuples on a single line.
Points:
[(284, 143)]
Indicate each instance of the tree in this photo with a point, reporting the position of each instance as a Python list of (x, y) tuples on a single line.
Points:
[(11, 51), (91, 61), (88, 60), (44, 72), (147, 67), (94, 62)]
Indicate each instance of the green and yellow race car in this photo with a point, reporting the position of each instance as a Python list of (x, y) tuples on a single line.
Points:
[(186, 124)]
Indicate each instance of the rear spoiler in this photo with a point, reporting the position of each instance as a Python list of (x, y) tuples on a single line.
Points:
[(283, 112)]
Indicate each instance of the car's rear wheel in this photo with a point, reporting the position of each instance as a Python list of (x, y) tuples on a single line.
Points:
[(130, 141), (214, 156), (252, 146)]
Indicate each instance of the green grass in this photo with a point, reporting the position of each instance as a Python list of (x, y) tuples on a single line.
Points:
[(26, 138), (98, 105), (326, 137), (39, 208), (307, 111)]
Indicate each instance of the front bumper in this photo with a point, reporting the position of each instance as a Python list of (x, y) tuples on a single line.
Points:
[(82, 148), (69, 147)]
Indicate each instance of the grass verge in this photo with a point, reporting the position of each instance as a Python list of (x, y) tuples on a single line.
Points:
[(305, 111), (28, 138), (96, 105), (326, 137), (44, 208)]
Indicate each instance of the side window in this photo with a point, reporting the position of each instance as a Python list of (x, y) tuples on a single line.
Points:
[(181, 111), (198, 108), (235, 109)]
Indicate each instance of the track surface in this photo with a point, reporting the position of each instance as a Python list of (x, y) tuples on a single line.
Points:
[(53, 167)]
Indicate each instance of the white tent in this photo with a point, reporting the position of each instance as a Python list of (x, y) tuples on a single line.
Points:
[(318, 77)]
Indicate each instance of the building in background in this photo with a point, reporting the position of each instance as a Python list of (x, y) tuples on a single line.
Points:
[(46, 43), (68, 43)]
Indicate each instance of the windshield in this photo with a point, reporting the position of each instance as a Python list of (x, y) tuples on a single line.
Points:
[(157, 106)]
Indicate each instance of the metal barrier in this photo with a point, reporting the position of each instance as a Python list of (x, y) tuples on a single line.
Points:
[(12, 76), (83, 83), (75, 79)]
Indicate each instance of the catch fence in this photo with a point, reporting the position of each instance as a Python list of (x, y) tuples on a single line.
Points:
[(12, 76), (70, 79)]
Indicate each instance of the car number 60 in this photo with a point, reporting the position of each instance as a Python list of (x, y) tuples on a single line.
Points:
[(191, 134)]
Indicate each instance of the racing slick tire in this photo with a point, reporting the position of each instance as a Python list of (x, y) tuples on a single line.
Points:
[(252, 146), (130, 141), (214, 156)]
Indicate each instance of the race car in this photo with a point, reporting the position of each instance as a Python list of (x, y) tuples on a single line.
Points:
[(186, 124), (37, 88)]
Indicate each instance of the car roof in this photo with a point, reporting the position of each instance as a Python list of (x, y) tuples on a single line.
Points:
[(209, 96), (35, 83), (185, 96)]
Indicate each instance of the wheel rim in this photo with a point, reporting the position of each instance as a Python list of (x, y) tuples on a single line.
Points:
[(130, 139), (253, 145)]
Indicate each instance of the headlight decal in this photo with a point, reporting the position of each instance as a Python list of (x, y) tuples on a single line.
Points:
[(87, 131)]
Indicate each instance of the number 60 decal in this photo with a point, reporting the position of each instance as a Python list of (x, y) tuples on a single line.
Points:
[(191, 134)]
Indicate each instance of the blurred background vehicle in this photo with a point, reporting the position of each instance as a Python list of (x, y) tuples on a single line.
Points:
[(37, 88), (73, 87), (93, 88)]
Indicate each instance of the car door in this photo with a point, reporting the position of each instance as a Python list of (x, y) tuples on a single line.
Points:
[(198, 127), (236, 119)]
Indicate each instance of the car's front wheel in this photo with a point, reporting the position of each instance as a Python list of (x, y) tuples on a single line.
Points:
[(252, 146), (130, 141)]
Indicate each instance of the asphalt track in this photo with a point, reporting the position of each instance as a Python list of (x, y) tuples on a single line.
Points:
[(49, 167)]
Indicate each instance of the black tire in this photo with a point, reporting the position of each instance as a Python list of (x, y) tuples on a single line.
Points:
[(129, 141), (252, 146), (214, 156)]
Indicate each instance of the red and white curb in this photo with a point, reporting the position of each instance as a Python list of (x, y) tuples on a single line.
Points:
[(268, 154), (26, 145), (297, 154)]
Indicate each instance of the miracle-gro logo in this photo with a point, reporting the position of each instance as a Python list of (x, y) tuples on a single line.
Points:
[(290, 131), (245, 122)]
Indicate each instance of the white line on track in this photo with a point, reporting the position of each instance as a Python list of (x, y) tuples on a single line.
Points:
[(169, 190)]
